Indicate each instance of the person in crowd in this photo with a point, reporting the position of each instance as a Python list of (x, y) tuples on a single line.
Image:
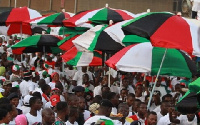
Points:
[(123, 94), (14, 100), (46, 90), (73, 100), (73, 115), (15, 76), (48, 116), (164, 109), (62, 113), (79, 91), (26, 83), (123, 109), (130, 101), (139, 92), (82, 111), (104, 90), (152, 118), (141, 114), (5, 117), (125, 84), (103, 112), (34, 116), (77, 79), (114, 99), (26, 105), (86, 83), (155, 100)]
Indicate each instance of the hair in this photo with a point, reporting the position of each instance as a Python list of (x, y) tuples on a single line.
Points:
[(3, 113), (60, 106), (123, 89), (14, 89), (41, 82), (165, 96), (131, 95), (4, 100), (37, 94), (59, 86), (44, 87), (151, 113), (72, 111), (111, 95), (97, 99), (7, 107), (122, 105), (33, 100), (71, 97)]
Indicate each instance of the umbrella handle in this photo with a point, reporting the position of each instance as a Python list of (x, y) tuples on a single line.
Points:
[(151, 95)]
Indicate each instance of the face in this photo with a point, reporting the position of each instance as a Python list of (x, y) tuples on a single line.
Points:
[(190, 117), (14, 112), (115, 100), (130, 101), (142, 109), (49, 117), (164, 107), (80, 94), (125, 82), (74, 102), (105, 80), (56, 92), (82, 104), (8, 118), (124, 94), (38, 104), (124, 110), (15, 101), (56, 78), (139, 89), (152, 120)]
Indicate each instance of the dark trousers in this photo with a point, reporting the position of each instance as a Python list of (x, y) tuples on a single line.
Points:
[(194, 14)]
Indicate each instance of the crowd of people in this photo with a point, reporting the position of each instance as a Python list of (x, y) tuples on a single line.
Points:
[(37, 89)]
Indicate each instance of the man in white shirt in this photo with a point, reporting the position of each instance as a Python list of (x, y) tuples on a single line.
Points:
[(78, 80), (104, 112), (164, 109), (189, 119), (25, 84), (195, 8)]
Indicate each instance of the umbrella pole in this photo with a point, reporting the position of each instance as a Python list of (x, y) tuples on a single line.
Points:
[(21, 39), (148, 106)]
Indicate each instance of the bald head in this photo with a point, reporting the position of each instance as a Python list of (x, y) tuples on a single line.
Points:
[(48, 116)]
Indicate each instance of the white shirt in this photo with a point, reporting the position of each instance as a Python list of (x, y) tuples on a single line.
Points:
[(25, 109), (33, 119), (157, 109), (159, 115), (78, 77), (164, 120), (196, 5), (184, 120), (114, 111), (24, 87), (162, 90), (86, 114), (95, 119), (97, 90), (68, 123)]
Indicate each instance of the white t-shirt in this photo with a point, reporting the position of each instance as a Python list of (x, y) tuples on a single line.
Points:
[(78, 77), (68, 123), (159, 115), (95, 119), (24, 87), (86, 114), (196, 5), (164, 120), (97, 90), (184, 120), (33, 119), (25, 109)]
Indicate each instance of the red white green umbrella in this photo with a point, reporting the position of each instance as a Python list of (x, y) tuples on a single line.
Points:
[(37, 43), (144, 57), (15, 18), (75, 58), (98, 16), (96, 39), (55, 19), (167, 30)]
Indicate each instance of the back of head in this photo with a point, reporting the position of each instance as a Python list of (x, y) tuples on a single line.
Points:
[(60, 106), (3, 113), (37, 94), (4, 100), (111, 95), (105, 107)]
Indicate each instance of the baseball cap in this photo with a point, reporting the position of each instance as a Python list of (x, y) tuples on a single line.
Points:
[(26, 99), (54, 99)]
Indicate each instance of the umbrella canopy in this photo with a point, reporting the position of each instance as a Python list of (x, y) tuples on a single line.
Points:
[(144, 57), (97, 39), (15, 18), (167, 30), (37, 43), (98, 16), (55, 19), (66, 43), (75, 58)]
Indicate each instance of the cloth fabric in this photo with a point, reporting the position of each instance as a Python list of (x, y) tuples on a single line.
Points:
[(78, 77), (95, 118), (68, 123), (33, 119), (196, 5)]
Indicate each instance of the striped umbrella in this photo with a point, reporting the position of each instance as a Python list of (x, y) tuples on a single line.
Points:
[(96, 39), (98, 16), (15, 18), (75, 58), (167, 30), (144, 57), (37, 43)]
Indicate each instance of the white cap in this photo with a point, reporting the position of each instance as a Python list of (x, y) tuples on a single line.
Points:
[(26, 99)]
